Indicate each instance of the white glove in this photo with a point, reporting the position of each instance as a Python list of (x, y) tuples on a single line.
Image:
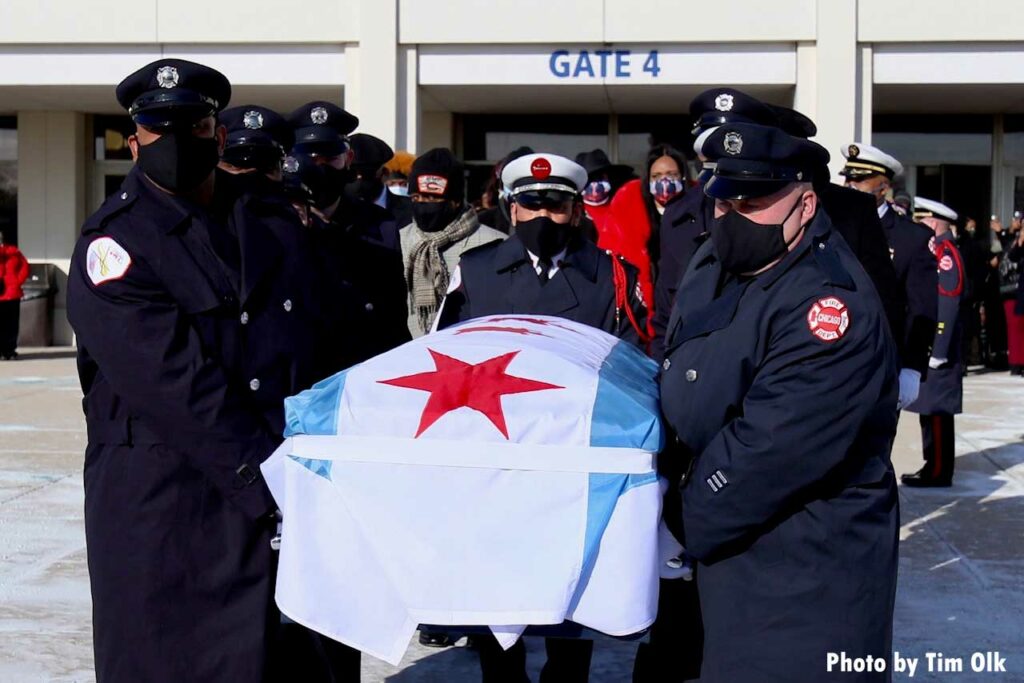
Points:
[(910, 386), (936, 363), (675, 564)]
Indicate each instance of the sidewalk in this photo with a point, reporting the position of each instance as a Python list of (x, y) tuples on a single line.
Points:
[(961, 586)]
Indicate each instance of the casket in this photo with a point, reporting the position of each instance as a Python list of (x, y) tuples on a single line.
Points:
[(500, 473)]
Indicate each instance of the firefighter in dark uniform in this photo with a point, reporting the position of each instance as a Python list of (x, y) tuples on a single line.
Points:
[(547, 267), (942, 391), (789, 506), (871, 170), (178, 519), (854, 218), (360, 239)]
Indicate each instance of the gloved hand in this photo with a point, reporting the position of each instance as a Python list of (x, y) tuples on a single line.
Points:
[(936, 363), (675, 563), (910, 386)]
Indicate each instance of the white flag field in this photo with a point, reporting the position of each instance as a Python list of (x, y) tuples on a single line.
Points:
[(499, 473)]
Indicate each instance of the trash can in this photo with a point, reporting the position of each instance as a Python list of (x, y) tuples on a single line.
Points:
[(36, 325)]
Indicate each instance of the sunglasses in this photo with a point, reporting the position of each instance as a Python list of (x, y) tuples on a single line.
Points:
[(554, 201)]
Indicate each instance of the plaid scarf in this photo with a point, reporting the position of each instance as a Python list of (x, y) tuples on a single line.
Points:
[(427, 275)]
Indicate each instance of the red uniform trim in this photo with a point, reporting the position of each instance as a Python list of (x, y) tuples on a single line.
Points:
[(947, 248)]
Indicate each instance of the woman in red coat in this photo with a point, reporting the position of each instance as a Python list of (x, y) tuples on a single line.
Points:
[(635, 217), (13, 273)]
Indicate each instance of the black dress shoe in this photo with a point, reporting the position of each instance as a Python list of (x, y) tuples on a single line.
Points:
[(435, 639), (919, 480)]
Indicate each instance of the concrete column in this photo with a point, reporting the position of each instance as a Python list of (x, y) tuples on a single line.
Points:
[(371, 91), (865, 100), (838, 88), (805, 97), (52, 160), (410, 119)]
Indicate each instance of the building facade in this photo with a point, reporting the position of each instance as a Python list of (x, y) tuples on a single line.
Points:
[(937, 83)]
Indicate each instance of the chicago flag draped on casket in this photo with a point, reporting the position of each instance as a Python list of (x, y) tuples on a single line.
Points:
[(497, 473)]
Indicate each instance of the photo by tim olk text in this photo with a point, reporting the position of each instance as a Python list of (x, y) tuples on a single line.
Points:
[(909, 666)]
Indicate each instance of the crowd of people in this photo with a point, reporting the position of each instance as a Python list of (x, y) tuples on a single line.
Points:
[(251, 253)]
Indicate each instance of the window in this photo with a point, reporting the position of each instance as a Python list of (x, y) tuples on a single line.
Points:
[(9, 178), (110, 137), (112, 158)]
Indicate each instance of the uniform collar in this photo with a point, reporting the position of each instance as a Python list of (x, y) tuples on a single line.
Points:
[(816, 238), (512, 252), (883, 209), (178, 208)]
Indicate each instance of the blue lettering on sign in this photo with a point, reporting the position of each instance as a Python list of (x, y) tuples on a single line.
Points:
[(599, 64), (583, 64), (559, 63)]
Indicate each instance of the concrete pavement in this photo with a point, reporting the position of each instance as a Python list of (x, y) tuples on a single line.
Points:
[(961, 586)]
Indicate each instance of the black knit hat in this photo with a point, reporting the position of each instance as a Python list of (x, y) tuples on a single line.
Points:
[(438, 173)]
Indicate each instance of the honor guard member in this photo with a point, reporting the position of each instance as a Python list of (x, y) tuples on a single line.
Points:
[(684, 223), (942, 390), (789, 506), (871, 170), (360, 238), (547, 267), (177, 517), (286, 314)]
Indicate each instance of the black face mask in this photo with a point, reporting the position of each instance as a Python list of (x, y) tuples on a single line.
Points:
[(364, 189), (745, 246), (543, 236), (434, 216), (325, 182), (179, 161)]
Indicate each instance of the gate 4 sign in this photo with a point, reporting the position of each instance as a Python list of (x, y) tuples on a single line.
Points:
[(828, 319), (587, 64)]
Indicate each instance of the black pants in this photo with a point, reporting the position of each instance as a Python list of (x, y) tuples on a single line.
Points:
[(673, 653), (307, 656), (10, 313), (568, 661), (938, 439)]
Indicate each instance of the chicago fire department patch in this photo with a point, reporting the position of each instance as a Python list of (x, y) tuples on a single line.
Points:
[(828, 319), (106, 260)]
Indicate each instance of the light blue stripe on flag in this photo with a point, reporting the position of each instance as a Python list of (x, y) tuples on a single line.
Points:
[(320, 468), (626, 409), (315, 410)]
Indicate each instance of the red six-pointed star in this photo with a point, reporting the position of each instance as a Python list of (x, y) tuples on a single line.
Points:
[(456, 384)]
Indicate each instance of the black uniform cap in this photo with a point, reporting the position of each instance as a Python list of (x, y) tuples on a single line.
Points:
[(258, 137), (793, 122), (173, 91), (727, 105), (755, 161), (322, 128), (251, 124), (369, 151)]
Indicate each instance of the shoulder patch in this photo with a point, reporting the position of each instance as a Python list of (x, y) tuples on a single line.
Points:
[(946, 262), (828, 319), (106, 260)]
